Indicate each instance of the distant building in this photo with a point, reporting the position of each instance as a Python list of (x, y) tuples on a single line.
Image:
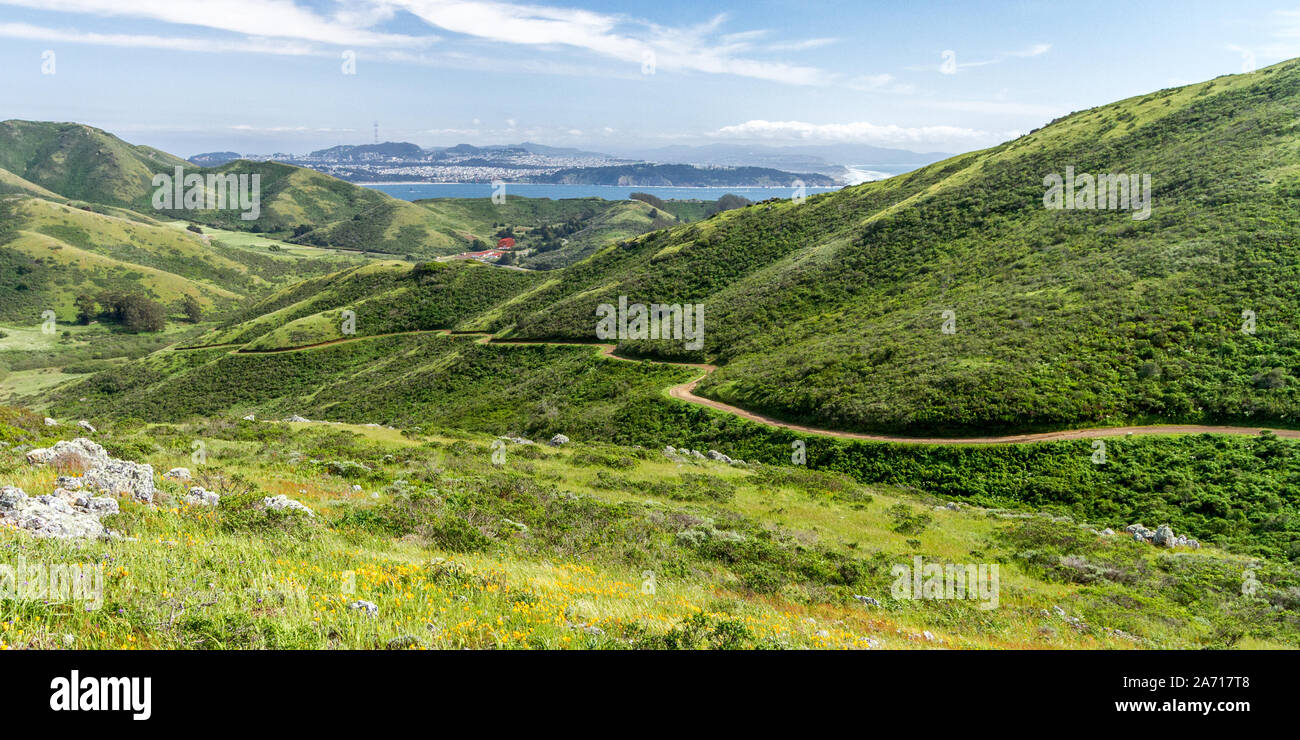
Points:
[(506, 243)]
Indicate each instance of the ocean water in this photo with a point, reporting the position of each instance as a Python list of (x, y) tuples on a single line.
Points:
[(421, 191)]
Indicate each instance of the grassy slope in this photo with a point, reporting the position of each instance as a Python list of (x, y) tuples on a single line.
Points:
[(56, 251), (459, 552)]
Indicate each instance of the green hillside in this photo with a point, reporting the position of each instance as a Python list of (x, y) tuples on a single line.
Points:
[(831, 312), (81, 162)]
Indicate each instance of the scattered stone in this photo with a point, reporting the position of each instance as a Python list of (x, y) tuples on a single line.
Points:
[(558, 440), (86, 425), (282, 502), (516, 440), (199, 496), (50, 422), (1107, 532), (1162, 536), (369, 608), (356, 489), (297, 419), (867, 601), (178, 474), (250, 417)]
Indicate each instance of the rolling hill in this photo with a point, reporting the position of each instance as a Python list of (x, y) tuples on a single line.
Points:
[(832, 313)]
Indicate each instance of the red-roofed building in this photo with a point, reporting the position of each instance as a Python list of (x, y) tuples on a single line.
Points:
[(506, 243)]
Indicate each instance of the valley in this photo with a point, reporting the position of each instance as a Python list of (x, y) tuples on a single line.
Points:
[(933, 365)]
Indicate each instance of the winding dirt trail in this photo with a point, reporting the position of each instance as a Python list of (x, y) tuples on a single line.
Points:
[(686, 392)]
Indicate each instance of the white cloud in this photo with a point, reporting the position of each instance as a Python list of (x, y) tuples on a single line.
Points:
[(256, 46), (265, 18), (699, 48), (858, 132), (690, 49), (246, 128), (950, 66)]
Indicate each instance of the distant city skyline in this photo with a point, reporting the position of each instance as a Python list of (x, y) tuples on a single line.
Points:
[(296, 75)]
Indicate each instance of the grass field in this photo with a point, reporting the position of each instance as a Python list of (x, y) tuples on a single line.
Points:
[(461, 540)]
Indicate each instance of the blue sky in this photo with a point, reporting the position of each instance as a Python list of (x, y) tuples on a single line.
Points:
[(268, 75)]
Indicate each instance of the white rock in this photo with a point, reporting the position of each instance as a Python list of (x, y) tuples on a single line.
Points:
[(50, 422), (558, 440), (369, 608), (282, 502), (86, 425), (199, 496), (178, 474)]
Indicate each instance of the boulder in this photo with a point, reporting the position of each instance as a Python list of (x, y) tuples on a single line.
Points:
[(715, 455), (50, 422), (178, 474), (282, 503), (298, 419), (122, 477), (369, 608), (558, 440), (199, 496), (250, 417), (1164, 536), (86, 425)]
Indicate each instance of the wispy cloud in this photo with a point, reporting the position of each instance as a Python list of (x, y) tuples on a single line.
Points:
[(949, 62), (139, 41), (257, 18)]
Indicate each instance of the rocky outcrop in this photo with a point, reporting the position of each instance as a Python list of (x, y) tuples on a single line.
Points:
[(1162, 536), (79, 455), (558, 440), (62, 515)]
